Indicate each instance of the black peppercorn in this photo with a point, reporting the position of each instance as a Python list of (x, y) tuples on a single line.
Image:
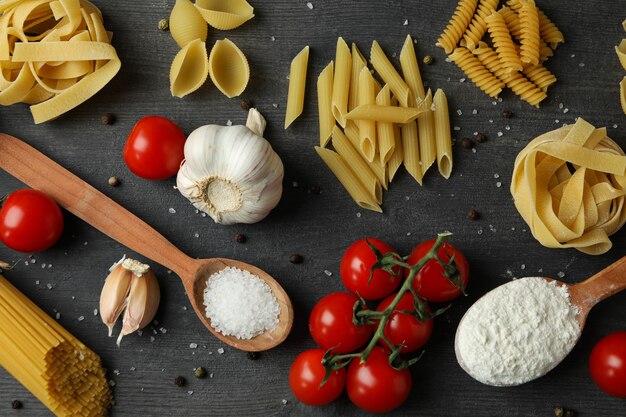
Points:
[(428, 60), (200, 372), (164, 24), (570, 413), (480, 137), (107, 119), (316, 189), (16, 404), (245, 104), (180, 381), (473, 215), (467, 143), (114, 181), (296, 259), (239, 238), (507, 114), (254, 355)]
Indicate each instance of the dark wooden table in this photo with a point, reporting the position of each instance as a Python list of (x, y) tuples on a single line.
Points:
[(320, 227)]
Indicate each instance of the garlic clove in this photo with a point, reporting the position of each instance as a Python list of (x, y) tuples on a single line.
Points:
[(143, 302), (114, 294)]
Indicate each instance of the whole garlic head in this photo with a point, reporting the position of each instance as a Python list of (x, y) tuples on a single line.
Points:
[(231, 172)]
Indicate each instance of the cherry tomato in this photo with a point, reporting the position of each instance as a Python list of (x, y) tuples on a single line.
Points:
[(608, 364), (154, 148), (405, 328), (355, 268), (306, 375), (30, 221), (431, 282), (331, 324), (375, 386)]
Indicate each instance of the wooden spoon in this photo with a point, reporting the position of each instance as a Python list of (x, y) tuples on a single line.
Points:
[(584, 295), (40, 172)]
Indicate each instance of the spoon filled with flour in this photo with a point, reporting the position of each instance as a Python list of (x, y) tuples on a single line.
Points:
[(521, 330)]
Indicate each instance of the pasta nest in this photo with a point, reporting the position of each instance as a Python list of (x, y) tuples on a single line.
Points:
[(568, 185)]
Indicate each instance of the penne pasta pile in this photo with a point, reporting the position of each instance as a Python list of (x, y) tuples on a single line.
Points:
[(521, 38), (376, 127)]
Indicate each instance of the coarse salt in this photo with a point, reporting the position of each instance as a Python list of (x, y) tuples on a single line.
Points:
[(240, 304)]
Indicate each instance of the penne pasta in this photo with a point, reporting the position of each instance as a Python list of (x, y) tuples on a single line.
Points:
[(388, 73), (395, 162), (411, 150), (297, 84), (352, 133), (367, 128), (358, 63), (390, 114), (341, 81), (427, 138), (348, 179), (384, 130), (345, 149), (325, 103), (410, 69), (442, 134)]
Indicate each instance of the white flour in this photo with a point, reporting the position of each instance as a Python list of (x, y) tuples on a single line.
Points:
[(517, 332)]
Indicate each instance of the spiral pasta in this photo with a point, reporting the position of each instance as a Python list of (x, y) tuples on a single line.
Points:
[(540, 75), (529, 32), (569, 186), (513, 23), (458, 25), (548, 31), (472, 67), (478, 27), (523, 88), (503, 42)]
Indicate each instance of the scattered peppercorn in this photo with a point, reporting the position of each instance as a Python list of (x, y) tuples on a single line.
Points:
[(570, 413), (200, 372), (114, 181), (107, 119), (480, 138), (507, 114), (296, 259), (16, 404), (180, 381), (239, 238), (164, 24), (245, 104), (428, 60), (467, 143), (558, 411), (316, 189), (473, 215), (254, 355)]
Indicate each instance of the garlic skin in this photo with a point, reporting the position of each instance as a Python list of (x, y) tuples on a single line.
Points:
[(114, 295), (231, 172)]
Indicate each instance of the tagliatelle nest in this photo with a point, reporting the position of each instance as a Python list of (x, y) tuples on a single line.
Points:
[(568, 185)]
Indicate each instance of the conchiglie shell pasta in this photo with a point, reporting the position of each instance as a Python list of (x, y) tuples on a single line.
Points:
[(189, 69), (228, 68), (225, 14), (186, 23)]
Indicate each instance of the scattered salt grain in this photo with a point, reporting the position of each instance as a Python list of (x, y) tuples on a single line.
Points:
[(112, 383), (49, 286), (95, 311), (309, 5), (284, 402), (490, 120), (474, 111), (406, 22), (473, 150), (498, 184), (572, 55), (240, 304), (565, 110), (523, 266), (615, 126), (275, 105), (462, 80), (272, 38), (480, 231), (220, 351), (561, 274), (58, 316), (448, 60), (328, 273), (116, 371), (229, 123), (582, 64), (33, 261), (193, 345), (190, 392), (500, 134), (507, 127), (495, 103), (496, 176), (172, 210), (459, 112), (557, 121), (358, 215), (456, 128), (560, 105), (81, 318), (152, 339), (43, 265)]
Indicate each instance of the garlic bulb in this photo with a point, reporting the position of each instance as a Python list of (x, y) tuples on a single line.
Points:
[(231, 172)]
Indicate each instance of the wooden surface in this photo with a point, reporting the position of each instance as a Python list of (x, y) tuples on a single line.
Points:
[(320, 227)]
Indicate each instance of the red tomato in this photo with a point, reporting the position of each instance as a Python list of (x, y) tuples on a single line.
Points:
[(306, 375), (405, 328), (375, 386), (331, 324), (30, 221), (355, 268), (431, 282), (608, 364), (155, 148)]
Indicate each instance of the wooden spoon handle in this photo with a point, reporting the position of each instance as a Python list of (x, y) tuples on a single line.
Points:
[(40, 172), (602, 285)]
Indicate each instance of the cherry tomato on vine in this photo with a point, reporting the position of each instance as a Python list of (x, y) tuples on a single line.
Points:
[(332, 327), (355, 268), (306, 375), (607, 364), (404, 328), (375, 386), (30, 221), (154, 148), (431, 282)]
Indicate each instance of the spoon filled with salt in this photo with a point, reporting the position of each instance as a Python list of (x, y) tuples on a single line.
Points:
[(40, 172), (521, 330)]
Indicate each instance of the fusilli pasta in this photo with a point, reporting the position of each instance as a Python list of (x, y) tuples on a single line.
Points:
[(458, 25), (476, 71), (503, 42)]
